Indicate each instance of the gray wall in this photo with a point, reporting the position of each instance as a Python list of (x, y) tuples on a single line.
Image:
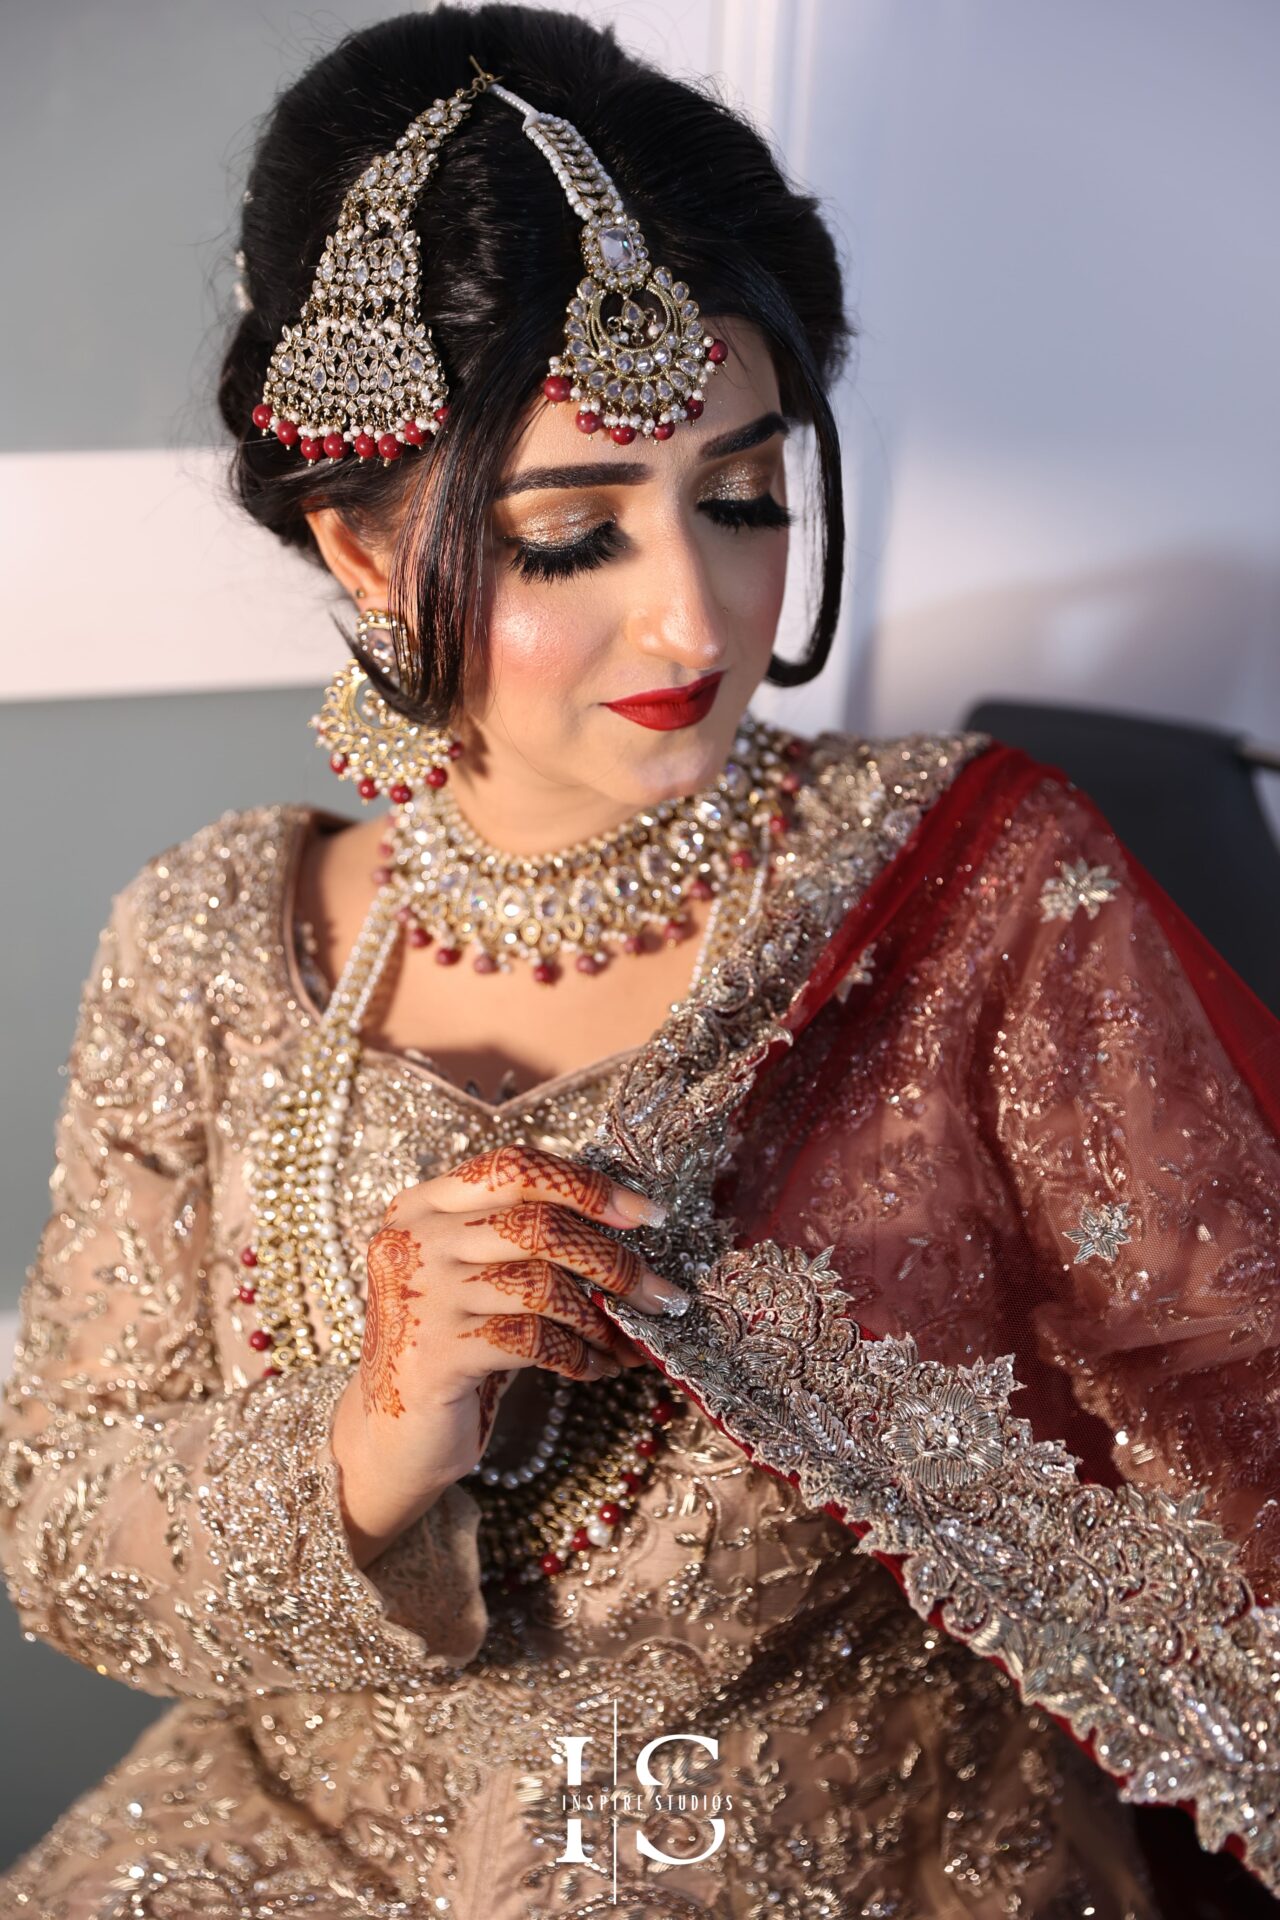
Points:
[(127, 128)]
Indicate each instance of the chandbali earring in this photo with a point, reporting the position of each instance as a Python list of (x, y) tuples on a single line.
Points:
[(368, 741)]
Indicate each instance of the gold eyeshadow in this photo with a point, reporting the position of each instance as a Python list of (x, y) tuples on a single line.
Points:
[(566, 524), (743, 485), (554, 529)]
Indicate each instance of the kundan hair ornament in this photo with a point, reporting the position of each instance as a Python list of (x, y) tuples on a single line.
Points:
[(637, 370), (359, 372)]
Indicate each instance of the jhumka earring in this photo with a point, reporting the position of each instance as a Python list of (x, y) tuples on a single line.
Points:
[(368, 741)]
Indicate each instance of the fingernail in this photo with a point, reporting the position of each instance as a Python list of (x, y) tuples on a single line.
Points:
[(671, 1298), (638, 1206)]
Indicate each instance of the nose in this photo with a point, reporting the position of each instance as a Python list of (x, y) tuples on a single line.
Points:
[(677, 616)]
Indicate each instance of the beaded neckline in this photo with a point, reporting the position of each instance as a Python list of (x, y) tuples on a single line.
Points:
[(301, 820)]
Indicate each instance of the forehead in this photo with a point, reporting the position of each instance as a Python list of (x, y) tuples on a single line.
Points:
[(743, 387)]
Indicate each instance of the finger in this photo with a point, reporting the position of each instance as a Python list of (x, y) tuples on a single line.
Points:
[(517, 1171), (625, 1349), (534, 1341), (538, 1287), (542, 1229)]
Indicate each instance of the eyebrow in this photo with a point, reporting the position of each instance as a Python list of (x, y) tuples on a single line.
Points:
[(633, 473)]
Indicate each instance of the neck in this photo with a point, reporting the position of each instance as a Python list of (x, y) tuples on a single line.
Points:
[(530, 816), (523, 813)]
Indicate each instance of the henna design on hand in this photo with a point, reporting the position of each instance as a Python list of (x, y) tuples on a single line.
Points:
[(544, 1288), (394, 1257), (533, 1338), (515, 1164), (535, 1226), (489, 1393)]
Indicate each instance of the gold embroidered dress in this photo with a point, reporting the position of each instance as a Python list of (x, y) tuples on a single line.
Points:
[(384, 1742)]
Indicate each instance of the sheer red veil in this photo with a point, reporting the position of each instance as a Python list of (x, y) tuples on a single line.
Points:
[(980, 1149)]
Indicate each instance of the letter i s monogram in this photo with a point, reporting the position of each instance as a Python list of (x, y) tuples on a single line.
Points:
[(572, 1748)]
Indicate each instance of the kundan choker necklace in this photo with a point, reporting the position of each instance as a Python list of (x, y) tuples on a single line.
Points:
[(455, 890), (296, 1277)]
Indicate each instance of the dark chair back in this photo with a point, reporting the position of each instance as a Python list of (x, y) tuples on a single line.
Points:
[(1184, 799)]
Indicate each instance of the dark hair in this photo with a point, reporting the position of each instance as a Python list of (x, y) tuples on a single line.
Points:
[(500, 252)]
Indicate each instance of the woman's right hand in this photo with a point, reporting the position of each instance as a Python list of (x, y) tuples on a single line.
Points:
[(470, 1280)]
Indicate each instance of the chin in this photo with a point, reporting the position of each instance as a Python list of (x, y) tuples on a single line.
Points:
[(666, 766)]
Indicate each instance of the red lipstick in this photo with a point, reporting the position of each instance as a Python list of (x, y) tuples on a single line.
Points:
[(667, 707)]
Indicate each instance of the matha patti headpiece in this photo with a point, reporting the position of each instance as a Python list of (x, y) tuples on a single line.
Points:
[(359, 371)]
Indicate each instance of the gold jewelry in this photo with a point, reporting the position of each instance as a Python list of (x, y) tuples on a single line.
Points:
[(359, 371), (368, 741), (308, 1306), (579, 1484), (597, 1452), (455, 888), (297, 1262), (642, 368)]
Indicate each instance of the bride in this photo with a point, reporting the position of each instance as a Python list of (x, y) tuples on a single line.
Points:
[(524, 1342)]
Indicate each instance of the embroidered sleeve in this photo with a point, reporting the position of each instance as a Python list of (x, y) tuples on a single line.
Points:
[(181, 1536), (1147, 1178)]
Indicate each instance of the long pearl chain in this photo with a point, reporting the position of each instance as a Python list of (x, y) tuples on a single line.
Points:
[(308, 1306)]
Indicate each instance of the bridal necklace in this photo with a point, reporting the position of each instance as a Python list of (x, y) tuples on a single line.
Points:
[(357, 375), (441, 880)]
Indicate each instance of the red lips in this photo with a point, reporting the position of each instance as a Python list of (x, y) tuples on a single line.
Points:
[(670, 707)]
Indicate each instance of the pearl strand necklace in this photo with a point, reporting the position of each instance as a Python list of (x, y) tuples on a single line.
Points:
[(298, 1257)]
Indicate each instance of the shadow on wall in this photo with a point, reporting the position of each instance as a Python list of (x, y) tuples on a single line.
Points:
[(1190, 634)]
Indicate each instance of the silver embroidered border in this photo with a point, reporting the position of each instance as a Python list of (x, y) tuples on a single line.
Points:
[(1120, 1610)]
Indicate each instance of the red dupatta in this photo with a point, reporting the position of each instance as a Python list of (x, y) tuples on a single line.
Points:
[(972, 1148)]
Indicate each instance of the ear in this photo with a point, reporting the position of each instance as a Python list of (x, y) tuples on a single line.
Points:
[(355, 566)]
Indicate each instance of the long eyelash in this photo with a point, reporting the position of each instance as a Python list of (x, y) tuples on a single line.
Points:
[(575, 556), (763, 511), (602, 543)]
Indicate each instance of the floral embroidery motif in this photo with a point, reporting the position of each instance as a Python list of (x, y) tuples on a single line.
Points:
[(1118, 1609), (1103, 1230), (1078, 885), (943, 1436)]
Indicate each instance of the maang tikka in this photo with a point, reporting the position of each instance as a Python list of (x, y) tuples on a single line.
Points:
[(359, 371)]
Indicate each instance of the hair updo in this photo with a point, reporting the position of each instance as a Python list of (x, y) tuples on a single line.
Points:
[(500, 257)]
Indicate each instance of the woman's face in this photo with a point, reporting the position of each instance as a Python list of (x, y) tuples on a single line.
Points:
[(616, 570)]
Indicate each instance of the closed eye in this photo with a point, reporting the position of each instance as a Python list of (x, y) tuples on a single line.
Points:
[(537, 561)]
